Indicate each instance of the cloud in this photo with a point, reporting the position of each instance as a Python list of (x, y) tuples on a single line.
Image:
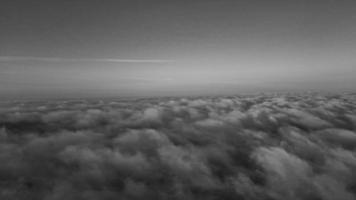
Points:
[(299, 146), (209, 123), (152, 114), (282, 167), (345, 138)]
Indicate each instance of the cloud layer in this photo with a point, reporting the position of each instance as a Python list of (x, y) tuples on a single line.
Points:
[(240, 147)]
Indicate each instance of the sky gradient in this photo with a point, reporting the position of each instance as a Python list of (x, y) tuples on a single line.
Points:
[(144, 48)]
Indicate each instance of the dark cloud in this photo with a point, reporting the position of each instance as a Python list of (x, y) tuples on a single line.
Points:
[(241, 147)]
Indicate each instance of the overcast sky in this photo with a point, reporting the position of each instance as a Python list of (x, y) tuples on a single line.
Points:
[(78, 48)]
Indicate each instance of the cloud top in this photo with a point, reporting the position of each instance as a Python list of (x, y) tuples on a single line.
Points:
[(239, 147)]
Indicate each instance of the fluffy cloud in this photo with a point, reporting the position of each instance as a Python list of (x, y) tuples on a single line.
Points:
[(295, 146)]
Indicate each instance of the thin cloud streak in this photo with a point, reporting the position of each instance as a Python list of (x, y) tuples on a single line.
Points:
[(58, 59)]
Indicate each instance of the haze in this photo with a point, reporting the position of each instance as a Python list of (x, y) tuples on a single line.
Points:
[(154, 48)]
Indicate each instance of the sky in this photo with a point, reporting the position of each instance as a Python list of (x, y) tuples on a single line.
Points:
[(87, 48)]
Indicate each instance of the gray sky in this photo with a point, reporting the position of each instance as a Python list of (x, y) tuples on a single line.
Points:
[(78, 48)]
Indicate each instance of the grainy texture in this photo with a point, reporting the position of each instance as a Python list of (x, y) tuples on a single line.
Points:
[(297, 146)]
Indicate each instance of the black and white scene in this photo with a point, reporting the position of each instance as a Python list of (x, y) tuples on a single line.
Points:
[(177, 99)]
